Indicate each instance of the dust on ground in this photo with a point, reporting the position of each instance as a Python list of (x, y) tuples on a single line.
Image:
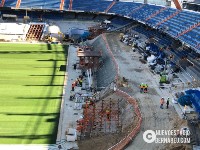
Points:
[(154, 118), (103, 141)]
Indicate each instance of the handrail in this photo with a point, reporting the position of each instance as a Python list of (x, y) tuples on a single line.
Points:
[(188, 29), (2, 3), (70, 4), (18, 3), (62, 3), (169, 17), (110, 6), (134, 10), (156, 13)]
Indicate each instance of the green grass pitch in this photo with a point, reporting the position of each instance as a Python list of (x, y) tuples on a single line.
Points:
[(31, 84)]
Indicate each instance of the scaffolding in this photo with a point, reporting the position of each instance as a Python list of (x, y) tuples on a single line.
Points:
[(100, 118)]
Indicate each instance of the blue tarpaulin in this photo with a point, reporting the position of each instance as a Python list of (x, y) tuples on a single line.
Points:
[(195, 94), (185, 100)]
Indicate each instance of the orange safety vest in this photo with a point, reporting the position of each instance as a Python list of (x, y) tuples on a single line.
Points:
[(73, 84), (107, 112), (162, 101)]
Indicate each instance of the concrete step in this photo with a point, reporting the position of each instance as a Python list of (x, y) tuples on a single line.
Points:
[(178, 110)]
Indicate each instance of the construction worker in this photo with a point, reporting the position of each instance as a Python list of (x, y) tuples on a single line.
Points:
[(76, 82), (141, 87), (167, 103), (73, 86), (108, 114), (185, 109), (72, 96), (162, 101), (145, 87), (81, 77), (74, 66), (81, 82), (184, 112)]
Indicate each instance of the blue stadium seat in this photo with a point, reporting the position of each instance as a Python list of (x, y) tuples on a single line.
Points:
[(10, 3), (92, 6), (124, 8), (145, 12)]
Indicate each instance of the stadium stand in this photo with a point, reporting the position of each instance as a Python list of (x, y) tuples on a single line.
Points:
[(82, 16), (13, 31), (160, 16), (162, 40), (146, 10), (120, 21), (192, 38), (40, 4), (11, 3), (35, 32), (87, 5), (166, 24), (124, 8), (180, 22), (168, 20)]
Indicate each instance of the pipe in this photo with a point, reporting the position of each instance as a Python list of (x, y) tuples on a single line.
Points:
[(88, 77)]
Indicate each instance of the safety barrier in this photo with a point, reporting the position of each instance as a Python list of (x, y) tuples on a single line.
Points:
[(125, 141)]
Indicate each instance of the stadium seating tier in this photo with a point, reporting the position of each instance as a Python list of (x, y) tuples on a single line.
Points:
[(170, 20)]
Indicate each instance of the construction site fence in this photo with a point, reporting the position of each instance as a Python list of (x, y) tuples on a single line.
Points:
[(125, 141), (128, 139)]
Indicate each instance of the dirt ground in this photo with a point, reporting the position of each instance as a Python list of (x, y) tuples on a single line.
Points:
[(104, 141), (177, 125), (99, 143), (154, 118)]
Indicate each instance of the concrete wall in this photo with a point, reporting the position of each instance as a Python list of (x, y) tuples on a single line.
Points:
[(106, 73)]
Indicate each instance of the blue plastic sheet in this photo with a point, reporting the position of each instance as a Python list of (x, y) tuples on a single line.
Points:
[(195, 98)]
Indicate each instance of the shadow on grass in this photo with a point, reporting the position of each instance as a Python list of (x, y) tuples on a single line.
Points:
[(31, 52), (65, 48), (45, 67), (32, 114), (50, 60), (45, 75), (62, 68), (55, 119), (28, 136), (49, 46), (44, 102), (39, 98), (45, 85)]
